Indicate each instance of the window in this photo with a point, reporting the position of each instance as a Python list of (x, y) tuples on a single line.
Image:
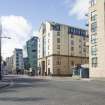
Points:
[(72, 42), (44, 46), (17, 64), (79, 46), (58, 46), (80, 52), (76, 31), (33, 50), (93, 50), (94, 27), (56, 27), (72, 36), (72, 63), (58, 62), (93, 2), (58, 33), (48, 62), (94, 62), (93, 39), (49, 72), (93, 16), (43, 31), (58, 40), (84, 50), (72, 48), (58, 52), (39, 64), (84, 43)]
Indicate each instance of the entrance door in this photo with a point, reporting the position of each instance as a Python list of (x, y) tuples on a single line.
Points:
[(43, 68)]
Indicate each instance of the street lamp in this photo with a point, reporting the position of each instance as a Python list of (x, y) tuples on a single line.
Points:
[(6, 37), (0, 48)]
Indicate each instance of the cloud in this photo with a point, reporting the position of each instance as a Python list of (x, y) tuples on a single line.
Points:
[(16, 27), (79, 8), (35, 33)]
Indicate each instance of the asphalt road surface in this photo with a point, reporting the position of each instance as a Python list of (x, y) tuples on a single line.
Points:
[(36, 91)]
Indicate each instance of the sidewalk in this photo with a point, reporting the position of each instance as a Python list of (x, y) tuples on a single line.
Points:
[(63, 78), (3, 84)]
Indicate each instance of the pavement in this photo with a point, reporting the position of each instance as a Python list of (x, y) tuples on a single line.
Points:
[(63, 78), (24, 90), (4, 84)]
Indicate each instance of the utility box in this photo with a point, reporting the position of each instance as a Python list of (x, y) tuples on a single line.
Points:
[(81, 72)]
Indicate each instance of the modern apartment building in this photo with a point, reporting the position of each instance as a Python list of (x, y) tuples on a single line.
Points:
[(61, 47), (18, 64), (32, 53), (97, 38)]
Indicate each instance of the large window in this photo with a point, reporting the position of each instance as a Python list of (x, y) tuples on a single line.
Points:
[(94, 62)]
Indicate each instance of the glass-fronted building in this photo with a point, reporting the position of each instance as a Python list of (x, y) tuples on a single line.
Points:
[(32, 54)]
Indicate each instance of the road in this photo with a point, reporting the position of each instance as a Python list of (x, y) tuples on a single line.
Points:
[(36, 91)]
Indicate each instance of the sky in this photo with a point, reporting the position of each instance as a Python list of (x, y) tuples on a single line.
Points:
[(21, 19)]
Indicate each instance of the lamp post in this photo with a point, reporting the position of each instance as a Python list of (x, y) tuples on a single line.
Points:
[(0, 49)]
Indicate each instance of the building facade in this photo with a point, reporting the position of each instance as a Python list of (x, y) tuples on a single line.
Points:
[(61, 47), (9, 64), (97, 38), (26, 63), (32, 53), (18, 64)]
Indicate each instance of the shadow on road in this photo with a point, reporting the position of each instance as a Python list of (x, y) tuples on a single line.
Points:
[(18, 83), (22, 83), (21, 99), (7, 91)]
